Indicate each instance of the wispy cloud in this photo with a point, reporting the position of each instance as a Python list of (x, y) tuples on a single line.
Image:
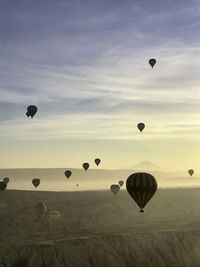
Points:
[(87, 64)]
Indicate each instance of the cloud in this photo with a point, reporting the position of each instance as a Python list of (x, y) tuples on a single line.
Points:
[(87, 64)]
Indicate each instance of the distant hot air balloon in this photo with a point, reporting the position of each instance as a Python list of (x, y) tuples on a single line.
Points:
[(97, 161), (36, 182), (191, 172), (77, 185), (68, 173), (6, 180), (31, 111), (152, 62), (121, 183), (141, 187), (40, 209), (3, 186), (114, 188), (54, 215), (86, 166), (141, 126)]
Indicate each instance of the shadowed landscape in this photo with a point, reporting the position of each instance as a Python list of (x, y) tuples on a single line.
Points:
[(96, 227)]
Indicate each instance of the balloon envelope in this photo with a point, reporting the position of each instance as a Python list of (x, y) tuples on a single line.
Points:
[(31, 111), (191, 172), (36, 182), (40, 209), (121, 183), (114, 188), (141, 126), (97, 161), (68, 173), (152, 62), (54, 215), (141, 187), (6, 180), (85, 166), (3, 186)]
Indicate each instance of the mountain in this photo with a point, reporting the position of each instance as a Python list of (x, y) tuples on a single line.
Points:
[(148, 166)]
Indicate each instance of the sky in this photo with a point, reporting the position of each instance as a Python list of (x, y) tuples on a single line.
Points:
[(84, 64)]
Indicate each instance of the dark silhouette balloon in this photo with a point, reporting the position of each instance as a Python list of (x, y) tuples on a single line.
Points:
[(191, 172), (3, 186), (40, 209), (86, 166), (77, 185), (121, 183), (114, 188), (68, 173), (141, 187), (141, 126), (152, 62), (97, 161), (31, 111), (6, 180), (36, 182)]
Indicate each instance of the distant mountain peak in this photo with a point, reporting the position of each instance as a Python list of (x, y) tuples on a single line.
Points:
[(146, 162), (147, 165)]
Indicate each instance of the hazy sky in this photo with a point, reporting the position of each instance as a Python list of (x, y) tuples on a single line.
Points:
[(85, 65)]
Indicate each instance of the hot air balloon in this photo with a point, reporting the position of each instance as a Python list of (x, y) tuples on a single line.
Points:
[(141, 126), (6, 180), (141, 187), (31, 111), (36, 182), (68, 173), (114, 188), (152, 62), (97, 161), (40, 209), (54, 215), (86, 166), (3, 186), (121, 183), (191, 172)]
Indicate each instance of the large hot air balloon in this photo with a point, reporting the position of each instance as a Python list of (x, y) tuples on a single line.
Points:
[(141, 187), (6, 180), (3, 186), (191, 172), (54, 215), (152, 62), (68, 173), (97, 161), (31, 111), (40, 209), (36, 182), (141, 126), (86, 166), (121, 183), (114, 188)]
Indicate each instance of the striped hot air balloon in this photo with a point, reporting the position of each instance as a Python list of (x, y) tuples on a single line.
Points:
[(121, 183), (141, 187), (31, 111), (114, 188), (36, 182), (54, 215)]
